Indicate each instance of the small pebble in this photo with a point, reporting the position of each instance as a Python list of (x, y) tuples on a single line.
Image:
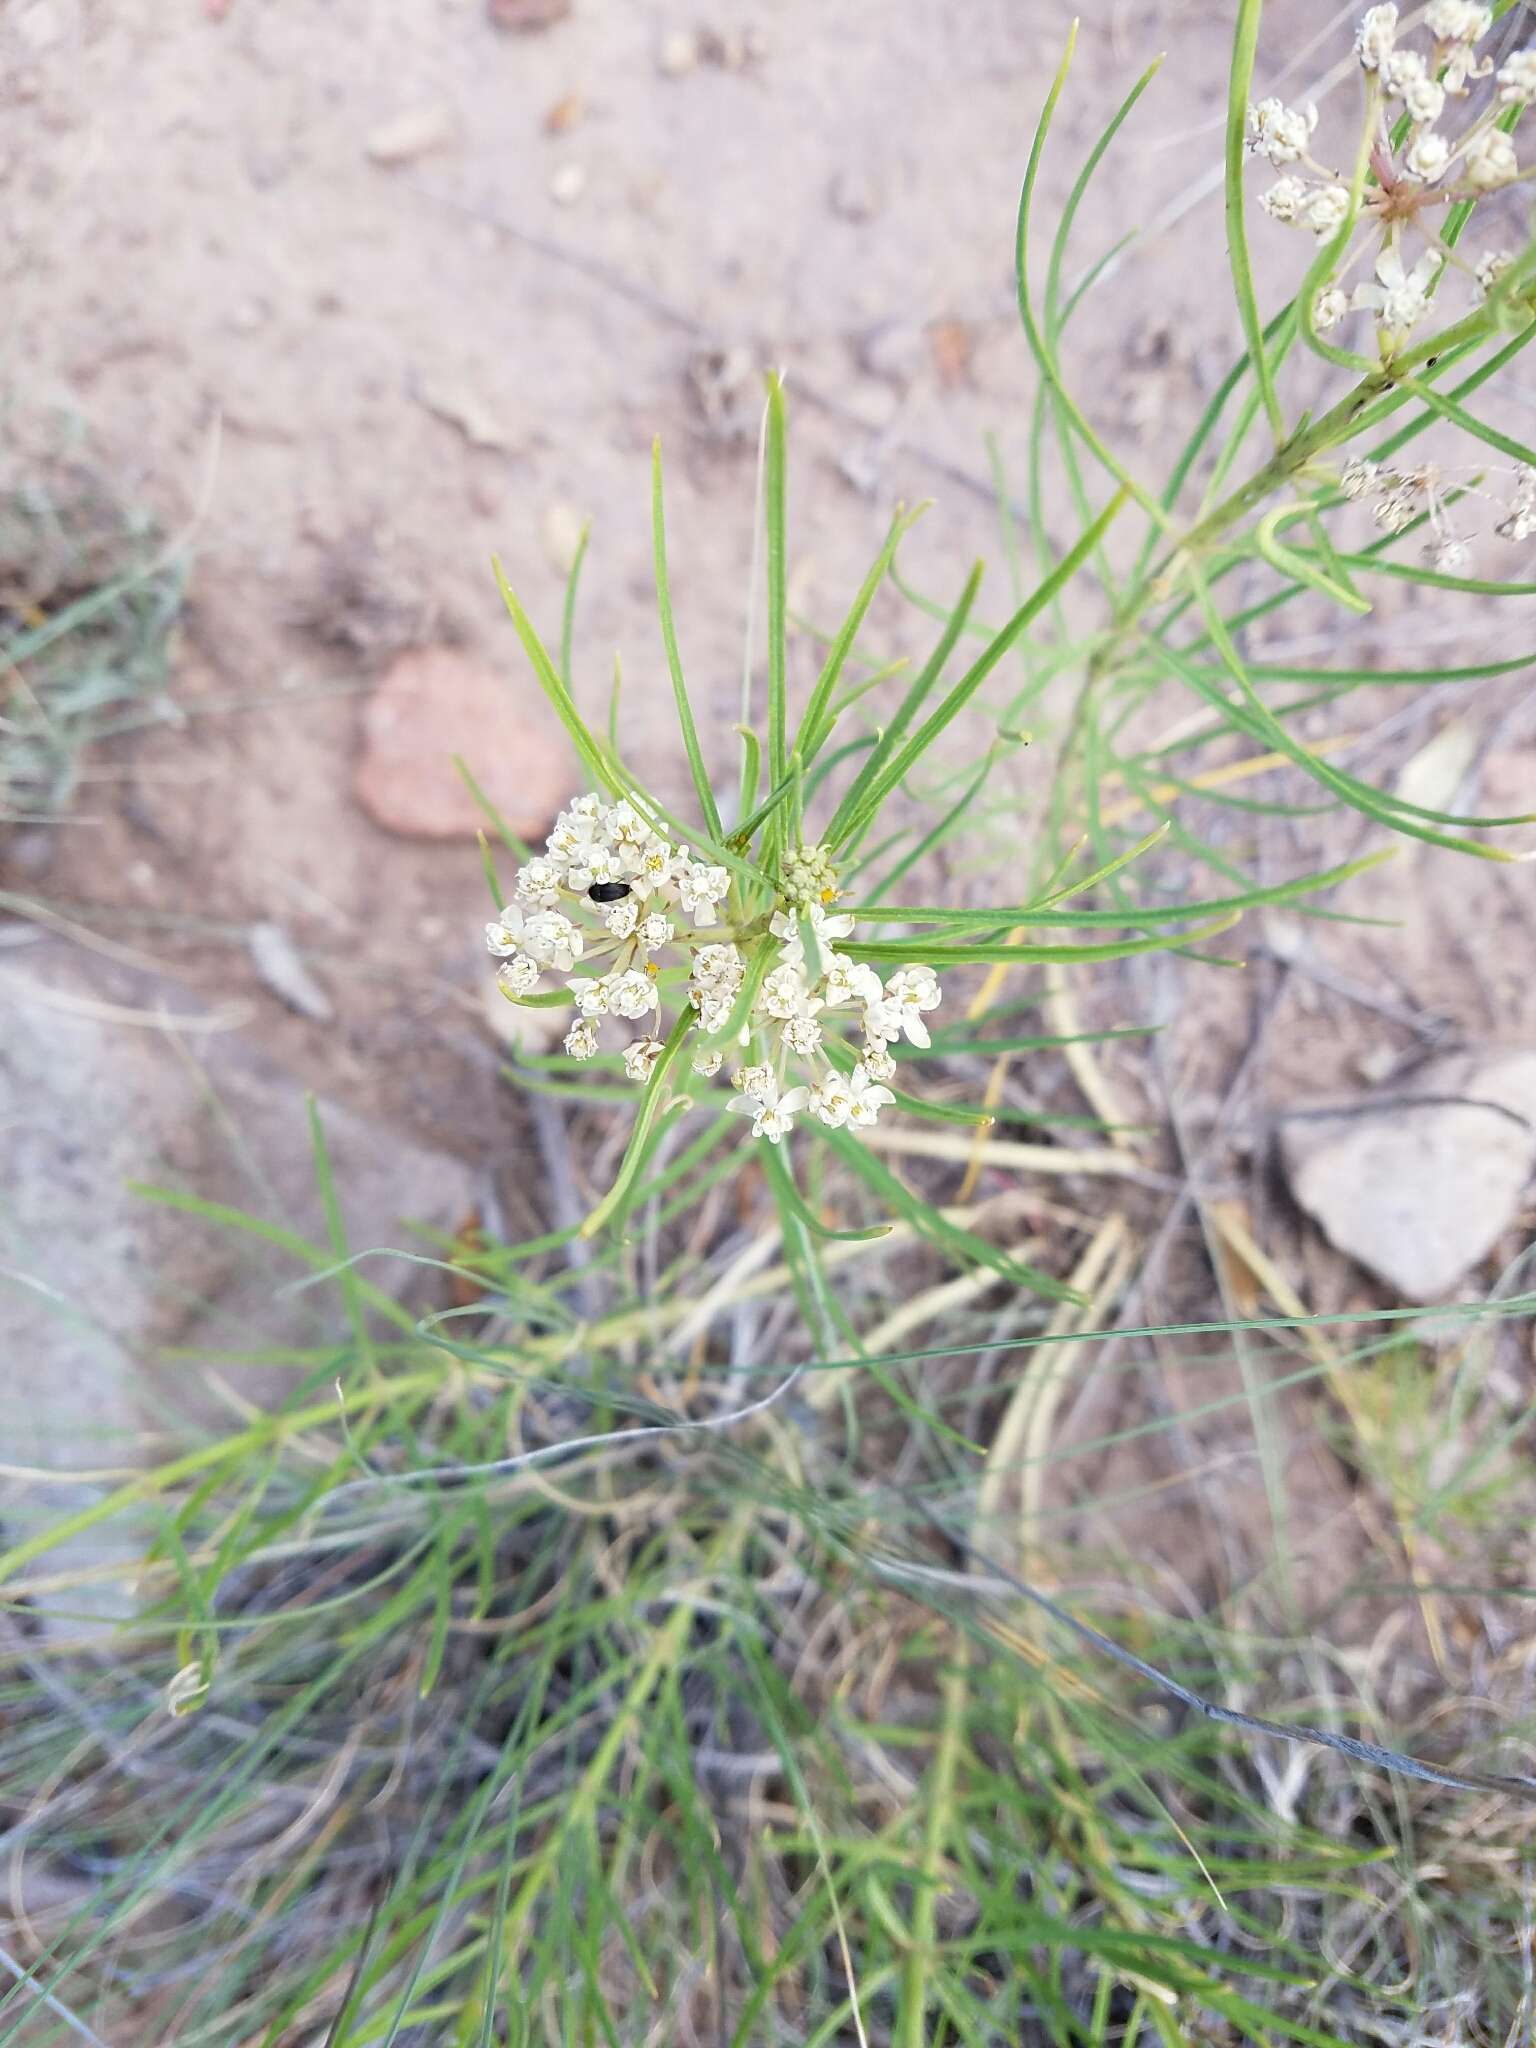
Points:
[(679, 53), (854, 196), (412, 134), (568, 184)]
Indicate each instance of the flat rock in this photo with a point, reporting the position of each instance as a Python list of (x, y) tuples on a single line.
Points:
[(110, 1076), (1419, 1180), (435, 702)]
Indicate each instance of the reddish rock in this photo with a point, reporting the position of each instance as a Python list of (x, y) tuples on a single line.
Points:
[(435, 702)]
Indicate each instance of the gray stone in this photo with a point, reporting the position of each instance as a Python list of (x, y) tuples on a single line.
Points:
[(1419, 1180), (109, 1077)]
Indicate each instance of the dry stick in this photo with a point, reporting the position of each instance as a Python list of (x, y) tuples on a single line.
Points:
[(1020, 1441), (1008, 1152), (1085, 1416), (1229, 1717)]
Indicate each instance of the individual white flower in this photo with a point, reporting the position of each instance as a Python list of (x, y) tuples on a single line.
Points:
[(1399, 69), (596, 863), (773, 1115), (830, 1100), (504, 934), (878, 1063), (761, 1083), (709, 1063), (785, 925), (1490, 160), (1285, 198), (591, 995), (1457, 21), (640, 1058), (866, 1098), (655, 931), (701, 890), (851, 981), (802, 1035), (1357, 476), (633, 993), (1428, 155), (574, 831), (1425, 99), (538, 882), (881, 1021), (581, 1039), (1329, 308), (552, 940), (518, 976), (909, 992), (624, 826), (714, 1011), (719, 968), (1491, 266), (622, 917), (1326, 208), (1517, 79), (652, 872), (1375, 37), (1399, 298), (1461, 64), (783, 993), (1279, 133)]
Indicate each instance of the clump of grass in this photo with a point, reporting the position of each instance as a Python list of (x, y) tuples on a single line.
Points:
[(89, 600), (716, 1622)]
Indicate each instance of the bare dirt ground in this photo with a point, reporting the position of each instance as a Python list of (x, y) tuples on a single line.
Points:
[(362, 295)]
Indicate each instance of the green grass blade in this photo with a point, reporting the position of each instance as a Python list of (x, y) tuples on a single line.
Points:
[(708, 809)]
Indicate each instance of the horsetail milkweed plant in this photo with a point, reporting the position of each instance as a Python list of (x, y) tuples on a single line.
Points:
[(463, 1750), (747, 933)]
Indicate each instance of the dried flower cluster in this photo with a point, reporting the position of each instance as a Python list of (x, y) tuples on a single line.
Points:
[(1408, 92), (1400, 496), (631, 917)]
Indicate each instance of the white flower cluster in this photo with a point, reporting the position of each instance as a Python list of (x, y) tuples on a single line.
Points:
[(611, 892), (609, 889), (1433, 169)]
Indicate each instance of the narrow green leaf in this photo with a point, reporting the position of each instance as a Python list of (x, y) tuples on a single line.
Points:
[(819, 717), (568, 613), (774, 499), (955, 702), (1245, 39), (922, 684), (708, 810), (591, 750)]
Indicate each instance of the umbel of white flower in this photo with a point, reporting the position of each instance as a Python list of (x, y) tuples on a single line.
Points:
[(1432, 168), (636, 919)]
